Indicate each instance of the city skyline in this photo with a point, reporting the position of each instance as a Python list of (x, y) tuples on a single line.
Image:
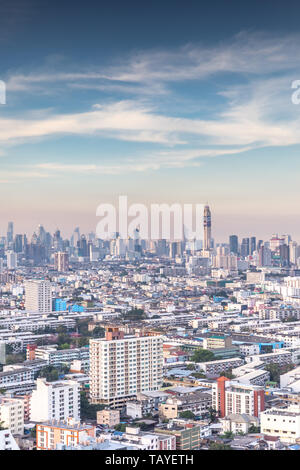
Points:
[(67, 234), (201, 112)]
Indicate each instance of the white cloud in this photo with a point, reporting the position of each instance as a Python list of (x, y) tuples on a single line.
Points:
[(256, 111)]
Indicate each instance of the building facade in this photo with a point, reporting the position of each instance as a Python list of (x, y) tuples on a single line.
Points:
[(122, 366), (55, 400)]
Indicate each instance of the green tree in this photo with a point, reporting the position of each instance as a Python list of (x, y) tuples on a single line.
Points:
[(219, 446), (135, 314), (63, 338), (62, 329), (212, 413), (253, 429), (290, 319), (187, 414), (228, 373), (52, 373), (228, 435), (191, 367), (199, 375), (88, 411), (33, 432), (83, 341), (276, 370), (121, 427), (15, 358), (64, 346), (98, 332), (203, 355)]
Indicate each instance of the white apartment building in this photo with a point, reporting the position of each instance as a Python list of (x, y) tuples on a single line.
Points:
[(280, 356), (291, 380), (55, 356), (16, 376), (12, 414), (282, 423), (232, 397), (55, 400), (120, 367), (249, 349), (38, 296), (221, 365)]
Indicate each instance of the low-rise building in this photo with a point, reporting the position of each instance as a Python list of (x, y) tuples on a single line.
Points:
[(282, 423), (108, 417), (197, 402), (188, 434), (68, 432), (217, 367), (237, 423)]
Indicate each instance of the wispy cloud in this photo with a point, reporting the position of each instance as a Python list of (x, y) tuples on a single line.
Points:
[(248, 54), (253, 111)]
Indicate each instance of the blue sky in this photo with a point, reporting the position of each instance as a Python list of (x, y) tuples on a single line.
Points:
[(163, 102)]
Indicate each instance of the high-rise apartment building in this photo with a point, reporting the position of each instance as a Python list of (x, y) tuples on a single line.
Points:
[(38, 297), (121, 366)]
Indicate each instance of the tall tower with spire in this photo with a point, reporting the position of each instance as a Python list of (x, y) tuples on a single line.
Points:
[(207, 229)]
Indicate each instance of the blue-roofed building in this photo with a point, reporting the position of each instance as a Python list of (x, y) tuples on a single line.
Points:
[(59, 305)]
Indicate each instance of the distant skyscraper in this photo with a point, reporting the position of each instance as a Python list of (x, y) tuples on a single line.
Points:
[(234, 244), (245, 247), (259, 244), (10, 233), (284, 252), (293, 252), (207, 229), (11, 258), (82, 247), (75, 237), (264, 256), (41, 234), (252, 245), (19, 244)]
